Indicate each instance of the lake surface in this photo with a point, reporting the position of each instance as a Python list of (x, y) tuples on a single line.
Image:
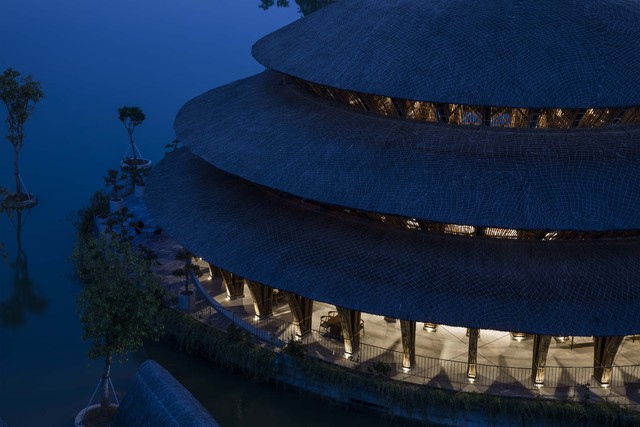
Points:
[(91, 58)]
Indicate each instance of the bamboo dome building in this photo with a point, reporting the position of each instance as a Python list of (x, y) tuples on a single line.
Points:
[(474, 164)]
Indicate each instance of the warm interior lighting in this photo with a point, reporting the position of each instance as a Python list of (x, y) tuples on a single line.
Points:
[(465, 230), (474, 115)]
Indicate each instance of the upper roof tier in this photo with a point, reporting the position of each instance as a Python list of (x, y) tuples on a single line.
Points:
[(534, 54), (266, 131)]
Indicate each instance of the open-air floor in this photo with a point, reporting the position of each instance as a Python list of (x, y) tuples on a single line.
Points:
[(503, 364)]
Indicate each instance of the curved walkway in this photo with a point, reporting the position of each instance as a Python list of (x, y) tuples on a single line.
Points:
[(504, 364)]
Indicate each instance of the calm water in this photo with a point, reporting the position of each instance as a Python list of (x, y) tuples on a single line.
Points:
[(91, 58)]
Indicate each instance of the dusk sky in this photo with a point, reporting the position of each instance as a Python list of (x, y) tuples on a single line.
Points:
[(92, 58)]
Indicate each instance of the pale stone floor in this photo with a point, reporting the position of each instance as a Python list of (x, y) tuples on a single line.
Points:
[(448, 342)]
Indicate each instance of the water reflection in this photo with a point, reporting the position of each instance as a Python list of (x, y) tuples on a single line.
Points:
[(26, 298)]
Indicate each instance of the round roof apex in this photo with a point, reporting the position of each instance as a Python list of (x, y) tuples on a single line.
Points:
[(522, 53)]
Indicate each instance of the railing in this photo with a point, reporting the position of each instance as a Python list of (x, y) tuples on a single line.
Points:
[(559, 382)]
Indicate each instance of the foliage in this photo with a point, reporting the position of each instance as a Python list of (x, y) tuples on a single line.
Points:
[(19, 95), (138, 176), (99, 204), (187, 257), (120, 301), (113, 180), (232, 349), (295, 348), (130, 118), (236, 335), (171, 147), (149, 255), (379, 368), (118, 222), (421, 401)]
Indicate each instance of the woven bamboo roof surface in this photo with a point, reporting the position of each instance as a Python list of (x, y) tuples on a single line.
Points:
[(156, 398), (544, 53), (549, 287), (280, 137)]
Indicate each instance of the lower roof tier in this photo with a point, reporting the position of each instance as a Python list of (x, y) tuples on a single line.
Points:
[(270, 132), (548, 287)]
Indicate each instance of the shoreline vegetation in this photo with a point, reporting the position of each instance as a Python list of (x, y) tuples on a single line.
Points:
[(236, 350)]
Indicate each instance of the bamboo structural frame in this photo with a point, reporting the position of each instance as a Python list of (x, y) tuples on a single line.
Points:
[(604, 353), (233, 284), (476, 115), (262, 298), (463, 229), (301, 311), (539, 359), (443, 182), (350, 322), (408, 331), (472, 361)]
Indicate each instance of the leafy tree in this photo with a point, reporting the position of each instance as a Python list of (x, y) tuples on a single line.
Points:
[(111, 179), (19, 96), (171, 147), (120, 302), (130, 118), (187, 257)]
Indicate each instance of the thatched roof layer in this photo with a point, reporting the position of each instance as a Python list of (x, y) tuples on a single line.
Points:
[(548, 287), (158, 399), (277, 136), (544, 53)]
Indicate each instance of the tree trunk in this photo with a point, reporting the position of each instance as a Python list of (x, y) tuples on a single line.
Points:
[(133, 148), (104, 399), (16, 171)]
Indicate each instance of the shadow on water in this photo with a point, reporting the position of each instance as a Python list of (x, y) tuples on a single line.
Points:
[(26, 298)]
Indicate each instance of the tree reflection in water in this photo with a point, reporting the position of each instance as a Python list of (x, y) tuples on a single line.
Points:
[(25, 297)]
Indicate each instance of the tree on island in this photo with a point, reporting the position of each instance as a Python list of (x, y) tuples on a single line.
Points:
[(119, 305), (19, 96), (130, 118)]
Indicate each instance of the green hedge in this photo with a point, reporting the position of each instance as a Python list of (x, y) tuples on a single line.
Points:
[(231, 349), (234, 349), (422, 400)]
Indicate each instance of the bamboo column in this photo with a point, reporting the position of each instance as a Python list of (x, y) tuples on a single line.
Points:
[(262, 298), (472, 364), (233, 284), (350, 322), (408, 330), (539, 360), (604, 353), (301, 311), (212, 270)]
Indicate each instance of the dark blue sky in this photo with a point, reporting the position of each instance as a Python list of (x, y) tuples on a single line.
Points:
[(93, 57)]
